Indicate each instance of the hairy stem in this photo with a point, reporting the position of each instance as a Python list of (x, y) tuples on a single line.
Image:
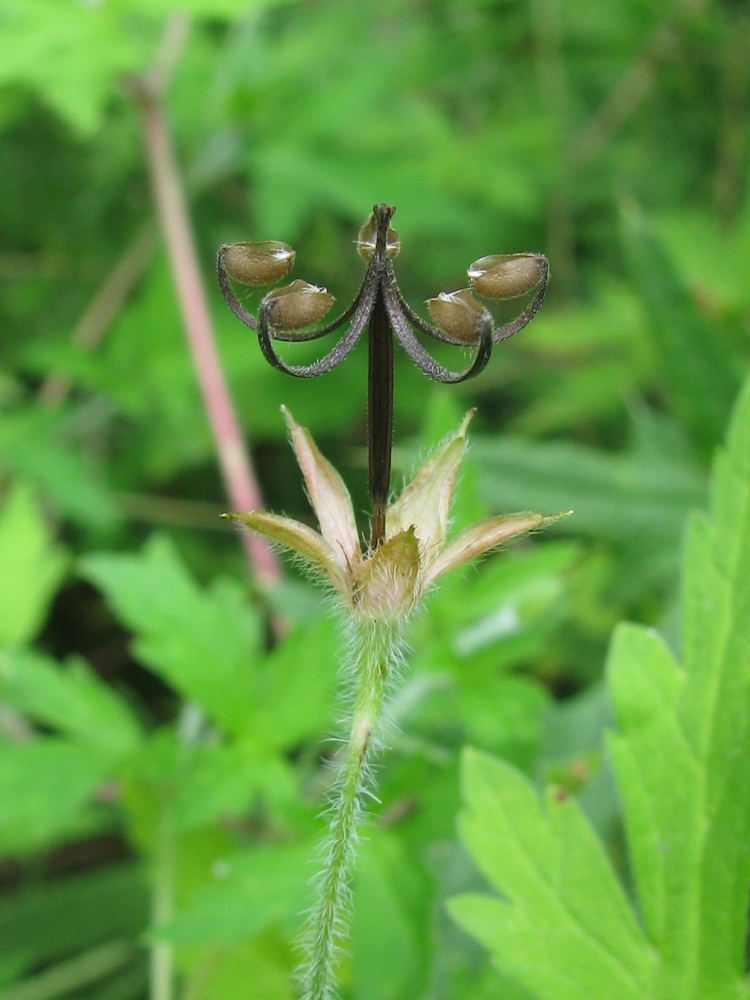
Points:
[(377, 650)]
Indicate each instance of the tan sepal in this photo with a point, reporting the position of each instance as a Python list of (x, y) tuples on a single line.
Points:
[(367, 239), (302, 540), (328, 495), (425, 501), (483, 537), (386, 583)]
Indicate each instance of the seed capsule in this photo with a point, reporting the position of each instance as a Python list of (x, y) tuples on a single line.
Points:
[(457, 314), (297, 305), (505, 276), (258, 263), (367, 239)]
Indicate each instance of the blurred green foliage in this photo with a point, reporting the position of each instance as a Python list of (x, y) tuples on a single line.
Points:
[(152, 732)]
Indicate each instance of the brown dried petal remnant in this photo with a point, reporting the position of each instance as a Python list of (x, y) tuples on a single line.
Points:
[(297, 305), (258, 263), (367, 239), (505, 276), (457, 314)]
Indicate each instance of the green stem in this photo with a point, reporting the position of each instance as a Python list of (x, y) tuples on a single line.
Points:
[(376, 650), (162, 958)]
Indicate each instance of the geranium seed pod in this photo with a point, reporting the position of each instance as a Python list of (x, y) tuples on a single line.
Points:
[(368, 236), (457, 314), (505, 276), (258, 263), (297, 305)]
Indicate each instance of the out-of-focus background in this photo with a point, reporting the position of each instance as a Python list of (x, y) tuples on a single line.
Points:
[(159, 749)]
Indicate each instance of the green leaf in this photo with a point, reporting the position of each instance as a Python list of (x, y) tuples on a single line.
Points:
[(253, 890), (197, 8), (73, 55), (79, 972), (296, 685), (604, 333), (44, 44), (199, 788), (31, 567), (695, 365), (566, 929), (683, 753), (266, 961), (37, 922), (656, 771), (202, 642), (682, 760), (709, 255), (218, 782), (45, 786), (390, 898), (43, 448), (70, 698)]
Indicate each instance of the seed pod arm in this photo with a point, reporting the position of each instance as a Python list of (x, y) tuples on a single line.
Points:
[(424, 361), (425, 327), (361, 310), (229, 297), (320, 331), (506, 331)]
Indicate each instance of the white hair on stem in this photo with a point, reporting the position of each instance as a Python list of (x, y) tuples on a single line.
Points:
[(370, 672)]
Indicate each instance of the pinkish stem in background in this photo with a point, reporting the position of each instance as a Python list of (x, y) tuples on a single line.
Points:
[(237, 472)]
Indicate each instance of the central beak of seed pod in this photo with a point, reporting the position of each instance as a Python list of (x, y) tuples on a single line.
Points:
[(376, 235), (383, 215)]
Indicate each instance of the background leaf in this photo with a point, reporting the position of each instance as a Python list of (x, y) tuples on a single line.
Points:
[(70, 698), (567, 930), (42, 42), (37, 922), (46, 788), (31, 567), (565, 927), (696, 367), (256, 889), (690, 805), (201, 642)]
